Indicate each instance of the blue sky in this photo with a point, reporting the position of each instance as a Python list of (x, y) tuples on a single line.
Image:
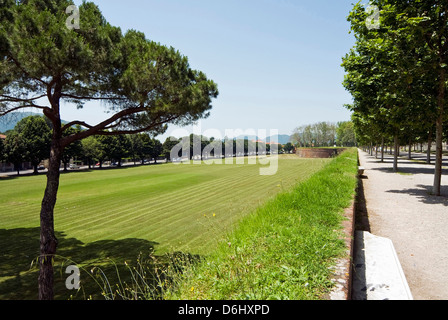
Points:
[(276, 62)]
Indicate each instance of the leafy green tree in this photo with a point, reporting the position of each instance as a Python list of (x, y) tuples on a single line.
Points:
[(288, 147), (136, 147), (91, 149), (14, 150), (321, 134), (147, 147), (36, 139), (104, 142), (119, 148), (145, 85), (168, 146), (73, 150), (156, 150), (345, 134), (115, 148)]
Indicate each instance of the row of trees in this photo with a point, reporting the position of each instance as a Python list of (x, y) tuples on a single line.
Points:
[(324, 134), (199, 146), (397, 75), (30, 141)]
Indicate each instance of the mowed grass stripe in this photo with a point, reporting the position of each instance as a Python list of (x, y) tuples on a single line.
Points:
[(140, 202), (195, 193), (122, 213), (186, 219), (166, 212)]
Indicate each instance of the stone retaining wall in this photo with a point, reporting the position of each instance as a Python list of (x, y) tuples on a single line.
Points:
[(319, 152)]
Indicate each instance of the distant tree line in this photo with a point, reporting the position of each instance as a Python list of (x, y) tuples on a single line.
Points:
[(30, 141), (324, 134), (200, 147)]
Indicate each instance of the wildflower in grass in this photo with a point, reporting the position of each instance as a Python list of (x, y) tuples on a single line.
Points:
[(192, 289), (214, 214)]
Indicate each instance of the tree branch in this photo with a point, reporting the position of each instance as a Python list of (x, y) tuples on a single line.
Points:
[(13, 99), (99, 129), (88, 97), (22, 107), (101, 126), (70, 124), (136, 131), (25, 72)]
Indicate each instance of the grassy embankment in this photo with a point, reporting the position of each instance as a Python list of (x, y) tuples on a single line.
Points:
[(285, 249)]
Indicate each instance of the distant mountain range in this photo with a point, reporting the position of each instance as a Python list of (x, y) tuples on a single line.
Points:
[(9, 121), (282, 138)]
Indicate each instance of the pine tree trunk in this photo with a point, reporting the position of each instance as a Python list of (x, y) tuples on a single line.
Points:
[(48, 241)]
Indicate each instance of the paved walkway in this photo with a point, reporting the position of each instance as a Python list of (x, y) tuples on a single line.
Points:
[(400, 207)]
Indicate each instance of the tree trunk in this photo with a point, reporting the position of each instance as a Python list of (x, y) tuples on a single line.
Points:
[(428, 152), (410, 151), (382, 149), (396, 153), (438, 164), (48, 241), (439, 136)]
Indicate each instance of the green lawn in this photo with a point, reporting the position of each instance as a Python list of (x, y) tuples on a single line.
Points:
[(283, 250), (121, 212)]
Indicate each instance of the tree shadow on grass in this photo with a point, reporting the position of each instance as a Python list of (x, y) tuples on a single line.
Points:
[(103, 265), (424, 193)]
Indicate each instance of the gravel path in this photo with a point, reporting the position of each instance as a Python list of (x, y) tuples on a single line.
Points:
[(400, 207)]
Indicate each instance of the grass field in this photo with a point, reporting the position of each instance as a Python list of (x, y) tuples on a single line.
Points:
[(286, 248), (119, 213)]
